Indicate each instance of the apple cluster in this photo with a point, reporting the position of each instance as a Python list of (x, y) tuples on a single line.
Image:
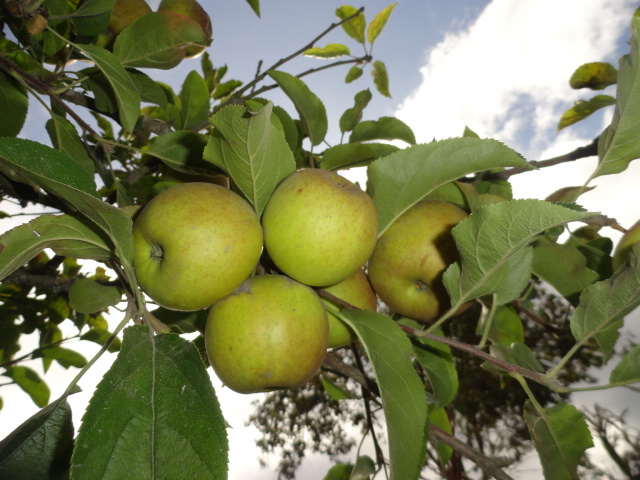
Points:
[(198, 245)]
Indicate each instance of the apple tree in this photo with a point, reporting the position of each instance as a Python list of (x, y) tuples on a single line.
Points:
[(218, 229)]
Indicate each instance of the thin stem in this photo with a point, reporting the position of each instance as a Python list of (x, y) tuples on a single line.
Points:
[(488, 322)]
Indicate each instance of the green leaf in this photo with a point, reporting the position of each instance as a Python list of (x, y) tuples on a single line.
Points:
[(252, 150), (335, 391), (158, 40), (65, 357), (60, 175), (560, 435), (564, 267), (31, 383), (354, 27), (506, 327), (127, 96), (517, 354), (14, 102), (353, 115), (493, 246), (154, 413), (619, 144), (332, 50), (88, 296), (255, 6), (311, 110), (628, 369), (604, 305), (181, 150), (438, 417), (403, 396), (40, 447), (380, 78), (583, 108), (64, 234), (385, 128), (354, 73), (150, 91), (92, 16), (194, 104), (400, 180), (65, 138), (351, 155), (378, 23), (594, 75)]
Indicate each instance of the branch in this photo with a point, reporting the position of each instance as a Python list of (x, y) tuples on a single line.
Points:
[(481, 460), (334, 364), (284, 60)]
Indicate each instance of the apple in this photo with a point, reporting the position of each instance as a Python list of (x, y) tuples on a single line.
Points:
[(319, 227), (628, 240), (407, 264), (194, 244), (193, 10), (355, 290), (123, 14), (271, 333)]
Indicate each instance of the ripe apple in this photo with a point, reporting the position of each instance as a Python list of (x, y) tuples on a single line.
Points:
[(406, 267), (628, 240), (193, 10), (271, 333), (194, 244), (123, 14), (319, 228), (357, 291)]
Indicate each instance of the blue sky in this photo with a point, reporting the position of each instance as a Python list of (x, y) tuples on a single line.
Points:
[(499, 67)]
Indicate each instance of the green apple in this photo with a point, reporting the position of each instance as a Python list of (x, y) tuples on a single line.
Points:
[(355, 290), (193, 10), (271, 333), (406, 267), (194, 244), (628, 240), (319, 227), (123, 14)]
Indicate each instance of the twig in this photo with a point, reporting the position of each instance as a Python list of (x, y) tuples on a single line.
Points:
[(481, 460), (333, 364), (284, 60)]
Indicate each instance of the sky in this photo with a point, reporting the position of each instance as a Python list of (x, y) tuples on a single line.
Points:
[(499, 67)]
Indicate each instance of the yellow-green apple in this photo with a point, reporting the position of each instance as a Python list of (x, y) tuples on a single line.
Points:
[(194, 244), (410, 257), (355, 290), (319, 227), (628, 240), (271, 333), (193, 10), (123, 14)]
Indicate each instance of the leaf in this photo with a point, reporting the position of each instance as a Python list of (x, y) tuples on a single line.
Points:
[(60, 175), (493, 246), (594, 75), (158, 40), (400, 180), (41, 446), (628, 369), (150, 91), (127, 96), (350, 155), (332, 50), (583, 108), (92, 16), (252, 150), (560, 435), (353, 115), (506, 327), (604, 305), (88, 296), (194, 104), (255, 6), (353, 74), (311, 110), (380, 78), (354, 27), (403, 396), (378, 23), (154, 413), (438, 417), (385, 128), (181, 150), (64, 234), (65, 357), (334, 390), (31, 383), (517, 354), (65, 138), (619, 144), (14, 102)]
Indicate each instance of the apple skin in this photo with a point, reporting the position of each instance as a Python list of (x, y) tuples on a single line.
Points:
[(123, 14), (357, 291), (406, 268), (319, 227), (193, 10), (194, 244), (270, 334), (628, 240)]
